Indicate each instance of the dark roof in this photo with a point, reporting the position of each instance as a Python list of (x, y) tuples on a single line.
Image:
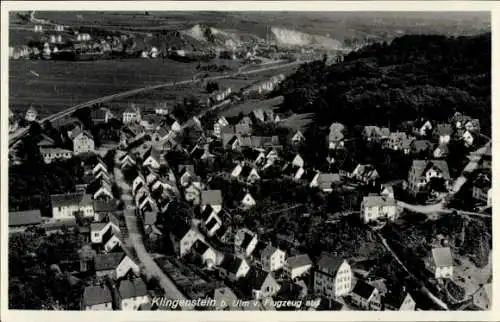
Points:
[(259, 247), (299, 260), (231, 263), (363, 289), (181, 229), (200, 247), (245, 171), (96, 294), (246, 240), (104, 206), (395, 299), (205, 214), (109, 261), (132, 288), (211, 223), (329, 262), (27, 217)]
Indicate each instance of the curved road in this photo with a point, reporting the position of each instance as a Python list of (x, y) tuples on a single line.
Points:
[(14, 137)]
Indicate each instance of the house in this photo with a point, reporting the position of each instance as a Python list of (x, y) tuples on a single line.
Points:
[(150, 122), (131, 114), (65, 206), (441, 151), (245, 173), (440, 263), (297, 266), (52, 154), (399, 301), (98, 167), (116, 265), (126, 161), (212, 221), (247, 201), (443, 132), (375, 207), (325, 181), (483, 299), (233, 268), (172, 124), (336, 136), (133, 294), (160, 134), (458, 120), (272, 258), (186, 172), (138, 183), (83, 142), (205, 252), (366, 296), (263, 115), (97, 297), (245, 242), (365, 173), (298, 137), (473, 126), (225, 300), (468, 138), (99, 230), (333, 276), (31, 114), (422, 171), (183, 238), (103, 192), (398, 141), (420, 147), (218, 125), (263, 284), (20, 220), (423, 127), (152, 158), (481, 190), (102, 209), (375, 134), (101, 115)]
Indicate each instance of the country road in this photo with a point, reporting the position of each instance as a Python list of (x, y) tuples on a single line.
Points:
[(14, 137), (151, 269)]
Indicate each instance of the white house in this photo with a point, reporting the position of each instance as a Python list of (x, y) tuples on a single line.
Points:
[(399, 301), (468, 138), (131, 114), (422, 171), (52, 154), (245, 173), (65, 206), (272, 258), (248, 201), (97, 298), (184, 239), (133, 294), (83, 142), (152, 158), (297, 266), (333, 277), (138, 182), (127, 265), (374, 207), (441, 262)]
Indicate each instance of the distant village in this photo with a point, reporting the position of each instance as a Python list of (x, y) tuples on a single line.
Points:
[(215, 256)]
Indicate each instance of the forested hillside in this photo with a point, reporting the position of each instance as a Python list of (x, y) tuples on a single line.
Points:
[(384, 84)]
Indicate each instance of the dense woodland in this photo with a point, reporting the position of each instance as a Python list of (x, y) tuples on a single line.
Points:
[(385, 84)]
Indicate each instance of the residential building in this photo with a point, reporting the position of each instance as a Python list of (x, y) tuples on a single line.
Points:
[(440, 263), (106, 264), (375, 134), (150, 122), (468, 138), (399, 301), (133, 294), (212, 198), (481, 190), (97, 297), (233, 268), (103, 191), (225, 300), (218, 125), (126, 161), (172, 124), (441, 151), (20, 220), (365, 173), (482, 299), (207, 254), (83, 142), (245, 173), (398, 141), (422, 171), (247, 201), (99, 230), (183, 239), (65, 206), (297, 266), (298, 137), (152, 158), (272, 258), (131, 114), (333, 276), (245, 242), (52, 154), (325, 181), (375, 207), (421, 147), (458, 120), (443, 132), (366, 296), (336, 136), (264, 285), (31, 114), (101, 115)]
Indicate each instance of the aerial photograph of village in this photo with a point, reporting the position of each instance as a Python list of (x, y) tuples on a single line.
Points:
[(249, 161)]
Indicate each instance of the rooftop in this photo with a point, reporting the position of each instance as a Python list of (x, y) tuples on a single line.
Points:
[(69, 199), (109, 261), (211, 197), (363, 289), (27, 217), (132, 288), (442, 257), (96, 294), (299, 260)]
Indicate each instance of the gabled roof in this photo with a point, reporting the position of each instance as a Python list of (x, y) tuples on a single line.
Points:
[(132, 288), (442, 257), (443, 129), (107, 261), (374, 201), (299, 261), (63, 200), (325, 180), (231, 263), (96, 294), (420, 166), (200, 247), (396, 298), (247, 238), (27, 217), (363, 289), (329, 262), (259, 277), (211, 197), (153, 153), (259, 248)]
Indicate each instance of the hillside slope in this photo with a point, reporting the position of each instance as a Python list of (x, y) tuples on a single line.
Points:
[(414, 76)]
